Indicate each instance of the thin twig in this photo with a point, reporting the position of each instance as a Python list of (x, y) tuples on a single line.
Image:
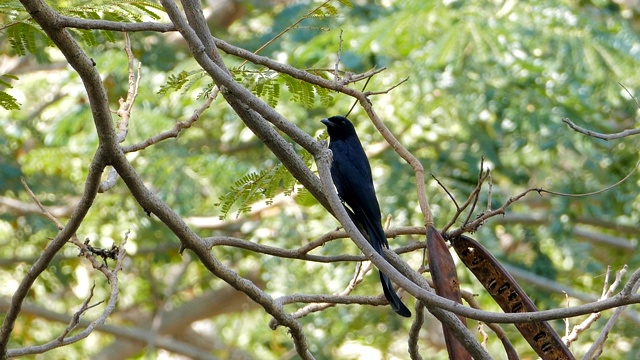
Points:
[(453, 199), (606, 137), (124, 111), (540, 190), (287, 29), (356, 101), (597, 135), (177, 128), (111, 276), (476, 195), (45, 212), (596, 348), (471, 198), (75, 319), (474, 225), (630, 94), (336, 73), (386, 91)]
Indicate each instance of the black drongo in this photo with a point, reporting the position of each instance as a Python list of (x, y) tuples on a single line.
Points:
[(351, 174)]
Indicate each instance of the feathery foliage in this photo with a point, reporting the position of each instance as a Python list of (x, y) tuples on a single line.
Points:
[(7, 101), (266, 84), (258, 186), (25, 36)]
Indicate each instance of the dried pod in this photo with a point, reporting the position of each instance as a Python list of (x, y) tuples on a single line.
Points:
[(511, 298), (447, 285)]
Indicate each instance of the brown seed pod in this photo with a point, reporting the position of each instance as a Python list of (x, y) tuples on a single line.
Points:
[(447, 285), (511, 298)]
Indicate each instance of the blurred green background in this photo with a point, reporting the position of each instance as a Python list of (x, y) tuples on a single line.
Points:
[(488, 79)]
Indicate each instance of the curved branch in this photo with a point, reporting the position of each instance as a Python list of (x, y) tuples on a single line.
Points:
[(323, 161), (190, 239), (90, 191), (597, 135)]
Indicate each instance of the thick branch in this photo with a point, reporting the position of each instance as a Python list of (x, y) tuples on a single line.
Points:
[(323, 160), (47, 19), (190, 239)]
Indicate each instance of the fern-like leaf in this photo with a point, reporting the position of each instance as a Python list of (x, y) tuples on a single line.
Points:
[(22, 38), (325, 97), (249, 189), (273, 94), (7, 101), (182, 81), (326, 10), (263, 185), (346, 3)]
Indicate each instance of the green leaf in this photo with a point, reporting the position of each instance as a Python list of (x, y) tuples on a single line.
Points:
[(8, 102)]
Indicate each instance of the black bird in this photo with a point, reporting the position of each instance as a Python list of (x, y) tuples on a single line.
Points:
[(351, 174)]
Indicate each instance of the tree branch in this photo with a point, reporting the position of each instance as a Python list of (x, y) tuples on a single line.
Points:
[(597, 135), (198, 48)]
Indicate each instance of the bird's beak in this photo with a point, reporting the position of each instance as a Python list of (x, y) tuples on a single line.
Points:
[(327, 122)]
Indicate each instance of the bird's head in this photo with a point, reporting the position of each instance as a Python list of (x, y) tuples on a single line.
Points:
[(339, 127)]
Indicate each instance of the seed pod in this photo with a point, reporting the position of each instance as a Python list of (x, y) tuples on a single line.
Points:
[(511, 298), (447, 285)]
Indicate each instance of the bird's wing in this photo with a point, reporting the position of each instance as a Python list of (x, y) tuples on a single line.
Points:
[(351, 174)]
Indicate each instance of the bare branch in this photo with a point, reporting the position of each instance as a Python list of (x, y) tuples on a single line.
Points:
[(596, 348), (597, 135), (112, 277), (474, 225), (40, 206), (300, 254), (358, 276), (75, 319), (336, 73), (607, 291), (415, 164), (471, 199), (256, 115), (46, 17), (90, 191), (139, 334), (630, 288), (71, 22), (208, 60), (386, 91), (453, 199), (124, 112), (606, 137), (414, 332), (177, 128)]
